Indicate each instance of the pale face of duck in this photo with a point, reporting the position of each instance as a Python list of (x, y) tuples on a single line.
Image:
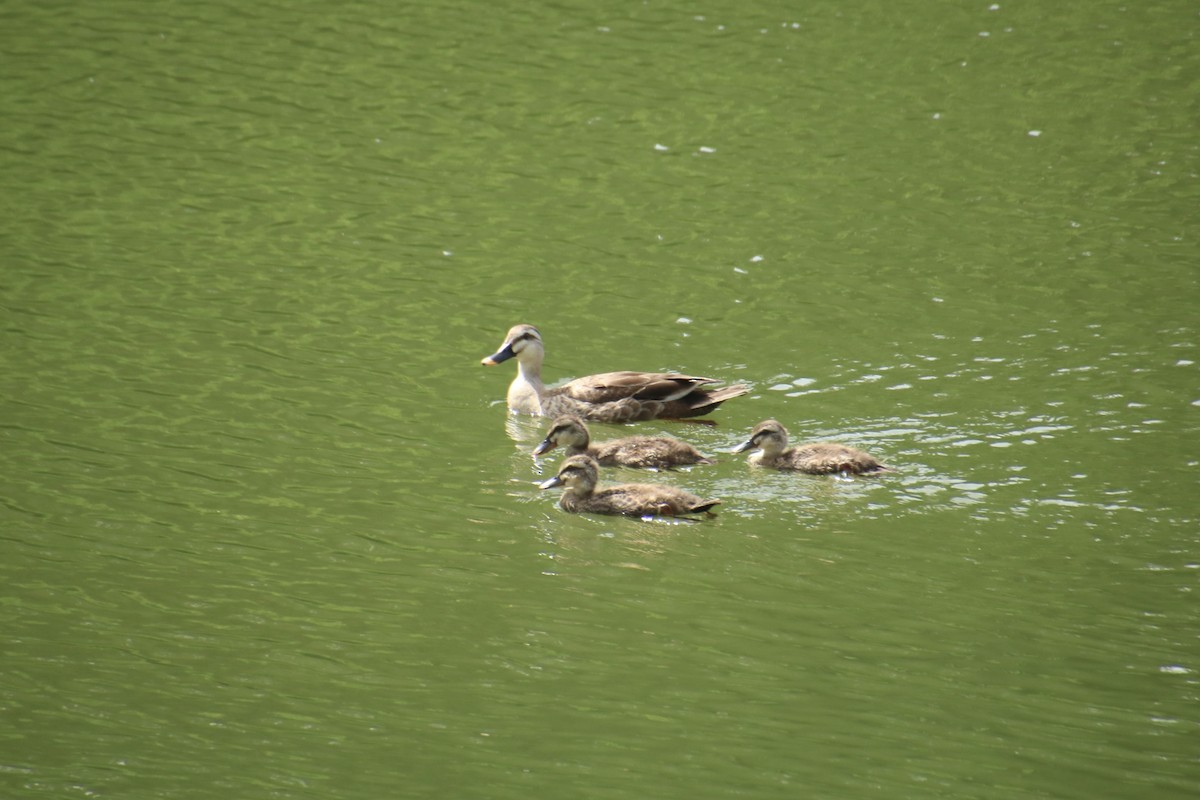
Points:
[(523, 342), (578, 474), (567, 431), (768, 436)]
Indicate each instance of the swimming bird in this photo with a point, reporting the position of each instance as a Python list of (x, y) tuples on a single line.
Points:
[(654, 452), (607, 397), (815, 458), (579, 475)]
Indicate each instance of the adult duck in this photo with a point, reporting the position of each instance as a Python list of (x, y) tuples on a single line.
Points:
[(579, 475), (648, 452), (770, 439), (607, 397)]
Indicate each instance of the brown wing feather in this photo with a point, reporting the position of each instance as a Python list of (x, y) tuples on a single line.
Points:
[(612, 386), (639, 499), (647, 451), (830, 457), (701, 402), (635, 396)]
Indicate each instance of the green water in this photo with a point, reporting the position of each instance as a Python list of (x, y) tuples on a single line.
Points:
[(267, 530)]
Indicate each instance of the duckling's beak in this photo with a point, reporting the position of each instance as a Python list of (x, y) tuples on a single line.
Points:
[(546, 446), (550, 484), (505, 354), (744, 446)]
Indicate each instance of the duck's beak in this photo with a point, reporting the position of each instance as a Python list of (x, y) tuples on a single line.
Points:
[(545, 447), (744, 446), (550, 484), (505, 354)]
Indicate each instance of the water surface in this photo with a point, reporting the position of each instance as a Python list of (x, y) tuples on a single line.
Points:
[(267, 527)]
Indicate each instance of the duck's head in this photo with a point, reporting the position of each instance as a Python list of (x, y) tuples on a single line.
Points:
[(768, 436), (577, 474), (522, 342), (567, 431)]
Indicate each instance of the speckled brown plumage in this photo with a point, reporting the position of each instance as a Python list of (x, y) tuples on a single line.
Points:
[(647, 452), (606, 397), (579, 475), (815, 458)]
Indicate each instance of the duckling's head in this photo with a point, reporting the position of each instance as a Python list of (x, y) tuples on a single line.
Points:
[(523, 341), (768, 436), (567, 431), (577, 473)]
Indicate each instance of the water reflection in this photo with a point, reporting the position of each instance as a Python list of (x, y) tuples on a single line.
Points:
[(258, 499), (525, 429), (980, 463)]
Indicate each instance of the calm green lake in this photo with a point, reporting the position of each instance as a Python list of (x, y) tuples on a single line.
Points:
[(267, 529)]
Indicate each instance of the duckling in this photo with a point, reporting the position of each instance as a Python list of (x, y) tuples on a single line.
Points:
[(607, 397), (653, 452), (579, 475), (816, 458)]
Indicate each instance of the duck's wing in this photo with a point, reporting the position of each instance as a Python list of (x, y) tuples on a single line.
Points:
[(609, 387), (821, 458), (657, 452), (633, 396), (647, 499)]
